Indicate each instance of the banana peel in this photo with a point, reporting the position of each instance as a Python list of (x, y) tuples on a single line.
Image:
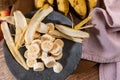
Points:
[(80, 7), (63, 6)]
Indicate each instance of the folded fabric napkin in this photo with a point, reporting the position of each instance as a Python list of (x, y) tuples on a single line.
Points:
[(103, 46)]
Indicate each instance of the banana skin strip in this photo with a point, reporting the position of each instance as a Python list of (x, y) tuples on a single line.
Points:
[(57, 33), (9, 40), (36, 19), (20, 24), (72, 32)]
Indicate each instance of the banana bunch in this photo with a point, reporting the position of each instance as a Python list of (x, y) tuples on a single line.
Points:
[(81, 7)]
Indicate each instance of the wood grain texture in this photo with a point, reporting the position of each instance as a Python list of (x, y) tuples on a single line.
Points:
[(90, 74)]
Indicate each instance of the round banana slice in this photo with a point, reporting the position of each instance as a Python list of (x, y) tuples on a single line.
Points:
[(37, 36), (30, 62), (49, 62), (58, 57), (47, 37), (26, 54), (46, 46), (39, 66), (32, 55), (34, 48), (57, 53), (57, 67), (42, 28), (44, 55), (37, 41), (60, 42), (56, 48), (50, 26)]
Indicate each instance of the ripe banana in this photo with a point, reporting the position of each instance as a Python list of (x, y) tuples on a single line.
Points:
[(63, 6), (80, 7), (39, 3), (50, 2), (91, 4)]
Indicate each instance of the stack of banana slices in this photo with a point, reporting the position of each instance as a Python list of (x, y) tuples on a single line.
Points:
[(46, 49)]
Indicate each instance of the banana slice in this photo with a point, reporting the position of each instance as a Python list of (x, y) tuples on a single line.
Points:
[(58, 57), (50, 26), (44, 55), (30, 62), (30, 55), (42, 28), (26, 54), (36, 41), (60, 42), (49, 62), (46, 45), (56, 48), (47, 37), (57, 67), (34, 48), (39, 66), (37, 36)]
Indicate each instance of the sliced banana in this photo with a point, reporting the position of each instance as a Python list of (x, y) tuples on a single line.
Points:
[(34, 48), (50, 26), (36, 41), (37, 36), (26, 54), (58, 57), (32, 55), (57, 67), (30, 62), (58, 53), (44, 55), (46, 46), (60, 42), (56, 48), (39, 66), (42, 28), (49, 62), (47, 37)]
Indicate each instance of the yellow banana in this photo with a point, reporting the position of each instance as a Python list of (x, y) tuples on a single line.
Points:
[(91, 4), (39, 3), (50, 1), (63, 6), (80, 7)]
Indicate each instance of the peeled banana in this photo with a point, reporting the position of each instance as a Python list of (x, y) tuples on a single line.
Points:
[(91, 4), (80, 7), (63, 6)]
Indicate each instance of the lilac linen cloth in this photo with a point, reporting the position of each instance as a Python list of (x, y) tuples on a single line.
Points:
[(104, 44)]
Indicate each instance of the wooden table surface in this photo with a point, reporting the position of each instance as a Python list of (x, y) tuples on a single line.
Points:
[(90, 74)]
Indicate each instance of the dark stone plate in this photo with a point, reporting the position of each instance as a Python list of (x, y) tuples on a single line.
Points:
[(70, 60)]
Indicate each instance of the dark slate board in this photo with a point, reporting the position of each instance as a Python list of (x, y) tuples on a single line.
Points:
[(71, 56)]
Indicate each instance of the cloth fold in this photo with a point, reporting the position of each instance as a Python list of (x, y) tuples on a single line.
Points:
[(103, 46)]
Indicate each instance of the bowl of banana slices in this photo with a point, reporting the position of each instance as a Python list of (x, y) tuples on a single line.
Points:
[(41, 45)]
